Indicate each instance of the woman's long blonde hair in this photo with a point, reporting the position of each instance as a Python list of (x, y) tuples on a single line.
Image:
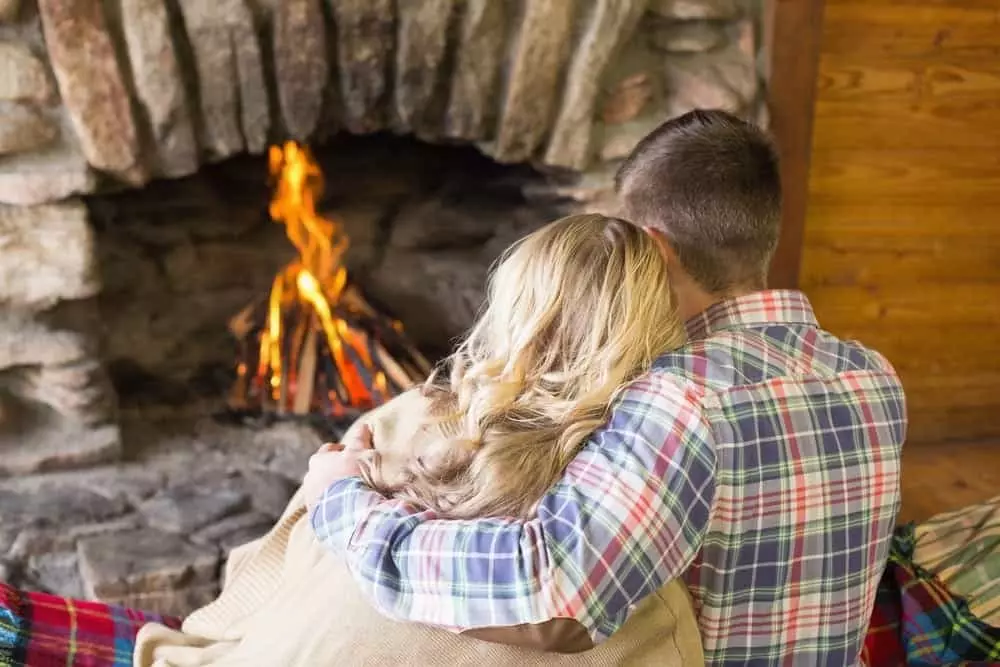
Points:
[(575, 311)]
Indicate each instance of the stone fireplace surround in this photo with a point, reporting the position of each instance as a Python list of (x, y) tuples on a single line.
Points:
[(112, 115)]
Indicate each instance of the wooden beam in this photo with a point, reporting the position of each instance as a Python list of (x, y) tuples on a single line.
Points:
[(792, 38)]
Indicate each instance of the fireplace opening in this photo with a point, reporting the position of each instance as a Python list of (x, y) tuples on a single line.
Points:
[(397, 245), (316, 345)]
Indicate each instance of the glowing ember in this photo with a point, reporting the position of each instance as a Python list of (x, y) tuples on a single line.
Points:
[(316, 345)]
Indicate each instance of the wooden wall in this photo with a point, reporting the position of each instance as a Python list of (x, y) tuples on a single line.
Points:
[(902, 239)]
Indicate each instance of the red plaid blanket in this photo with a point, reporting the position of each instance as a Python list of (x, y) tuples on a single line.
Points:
[(39, 630), (918, 622)]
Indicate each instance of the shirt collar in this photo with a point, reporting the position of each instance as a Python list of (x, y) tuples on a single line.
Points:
[(768, 307)]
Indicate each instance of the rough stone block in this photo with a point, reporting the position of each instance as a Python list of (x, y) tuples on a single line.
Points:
[(57, 573), (724, 79), (476, 71), (234, 531), (24, 129), (134, 481), (76, 391), (12, 572), (159, 86), (188, 507), (119, 566), (610, 23), (234, 108), (365, 43), (39, 440), (300, 63), (54, 173), (542, 47), (64, 506), (269, 492), (59, 336), (294, 444), (58, 405), (627, 98), (92, 85), (688, 36), (7, 537), (8, 10), (420, 49), (697, 9), (22, 74), (62, 536), (48, 255)]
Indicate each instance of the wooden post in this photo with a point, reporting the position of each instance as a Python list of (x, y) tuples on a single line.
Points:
[(792, 39)]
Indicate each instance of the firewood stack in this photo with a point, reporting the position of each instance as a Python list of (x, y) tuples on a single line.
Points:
[(316, 346)]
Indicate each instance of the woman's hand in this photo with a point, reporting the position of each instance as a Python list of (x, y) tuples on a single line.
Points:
[(335, 461)]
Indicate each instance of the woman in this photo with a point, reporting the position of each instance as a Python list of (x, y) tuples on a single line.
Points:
[(575, 312)]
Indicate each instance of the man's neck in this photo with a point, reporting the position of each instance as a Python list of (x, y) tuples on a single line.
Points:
[(693, 301), (692, 304)]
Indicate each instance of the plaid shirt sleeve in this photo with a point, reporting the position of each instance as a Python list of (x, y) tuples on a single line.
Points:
[(629, 515)]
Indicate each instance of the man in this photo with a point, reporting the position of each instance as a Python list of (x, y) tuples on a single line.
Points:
[(759, 463)]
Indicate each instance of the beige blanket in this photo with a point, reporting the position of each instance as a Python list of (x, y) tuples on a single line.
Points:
[(289, 602)]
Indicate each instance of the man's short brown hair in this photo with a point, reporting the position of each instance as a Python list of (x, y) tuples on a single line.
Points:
[(710, 182)]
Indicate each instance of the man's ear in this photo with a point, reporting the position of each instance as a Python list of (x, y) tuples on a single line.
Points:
[(667, 250)]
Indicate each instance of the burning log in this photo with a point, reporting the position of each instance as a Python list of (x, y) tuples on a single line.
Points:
[(316, 346)]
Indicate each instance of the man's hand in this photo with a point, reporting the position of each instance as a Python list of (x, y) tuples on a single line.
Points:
[(335, 461)]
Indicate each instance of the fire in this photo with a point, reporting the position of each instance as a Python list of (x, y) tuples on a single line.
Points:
[(316, 345)]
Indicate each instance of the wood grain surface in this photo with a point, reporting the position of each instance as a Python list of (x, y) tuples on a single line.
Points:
[(902, 238)]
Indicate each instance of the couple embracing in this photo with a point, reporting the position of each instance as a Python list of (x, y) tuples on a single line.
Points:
[(639, 455)]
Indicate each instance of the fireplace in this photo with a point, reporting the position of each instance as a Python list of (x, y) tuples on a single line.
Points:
[(189, 269), (141, 247)]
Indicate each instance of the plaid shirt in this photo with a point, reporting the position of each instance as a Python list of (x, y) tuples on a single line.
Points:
[(760, 463)]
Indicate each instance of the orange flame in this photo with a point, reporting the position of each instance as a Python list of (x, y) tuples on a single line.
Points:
[(315, 281)]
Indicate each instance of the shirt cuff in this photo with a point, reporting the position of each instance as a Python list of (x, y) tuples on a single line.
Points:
[(340, 509)]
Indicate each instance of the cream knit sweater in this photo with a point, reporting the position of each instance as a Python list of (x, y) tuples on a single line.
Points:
[(288, 602)]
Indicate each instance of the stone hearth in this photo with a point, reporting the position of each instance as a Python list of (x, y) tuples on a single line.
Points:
[(133, 225), (152, 531)]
